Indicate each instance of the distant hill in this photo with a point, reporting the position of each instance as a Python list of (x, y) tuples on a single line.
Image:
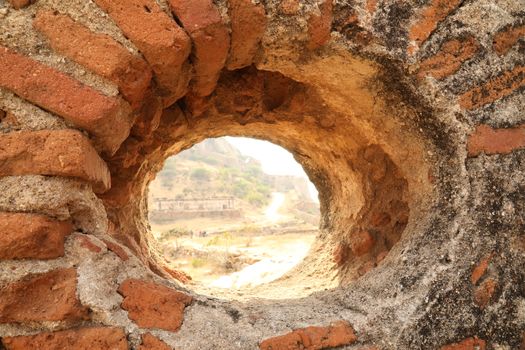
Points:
[(214, 168)]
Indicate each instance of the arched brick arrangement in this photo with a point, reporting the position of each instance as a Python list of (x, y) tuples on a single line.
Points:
[(407, 116)]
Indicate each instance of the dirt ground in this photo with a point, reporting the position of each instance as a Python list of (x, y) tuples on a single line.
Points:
[(232, 261)]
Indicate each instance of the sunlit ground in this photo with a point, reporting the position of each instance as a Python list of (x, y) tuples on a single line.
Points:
[(227, 261)]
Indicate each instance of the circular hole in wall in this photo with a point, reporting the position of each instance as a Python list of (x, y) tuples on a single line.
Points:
[(233, 213), (368, 167)]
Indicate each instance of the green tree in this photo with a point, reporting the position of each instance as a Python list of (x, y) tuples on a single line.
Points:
[(200, 174)]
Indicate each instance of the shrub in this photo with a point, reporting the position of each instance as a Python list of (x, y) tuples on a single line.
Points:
[(198, 262), (200, 174)]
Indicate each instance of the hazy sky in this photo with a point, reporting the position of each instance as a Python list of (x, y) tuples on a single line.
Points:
[(274, 159)]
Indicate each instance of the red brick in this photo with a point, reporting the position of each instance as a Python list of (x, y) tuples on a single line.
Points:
[(429, 18), (320, 25), (106, 118), (487, 140), (152, 305), (87, 243), (467, 344), (149, 342), (49, 296), (450, 58), (18, 4), (163, 43), (32, 236), (505, 39), (117, 249), (211, 41), (494, 89), (53, 152), (97, 338), (480, 269), (361, 242), (248, 24), (313, 338), (98, 52), (485, 291)]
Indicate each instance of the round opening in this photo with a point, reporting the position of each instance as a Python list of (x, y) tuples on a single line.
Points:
[(233, 213), (358, 151)]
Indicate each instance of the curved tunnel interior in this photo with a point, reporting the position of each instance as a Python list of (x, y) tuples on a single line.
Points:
[(364, 191)]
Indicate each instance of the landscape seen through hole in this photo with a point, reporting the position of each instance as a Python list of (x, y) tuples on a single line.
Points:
[(233, 212)]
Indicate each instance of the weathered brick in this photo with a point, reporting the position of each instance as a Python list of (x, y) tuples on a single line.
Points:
[(18, 4), (487, 140), (467, 344), (429, 18), (319, 25), (32, 236), (313, 338), (149, 342), (211, 41), (163, 43), (152, 305), (108, 119), (98, 52), (117, 249), (87, 243), (494, 89), (485, 291), (480, 269), (96, 338), (53, 152), (361, 242), (450, 58), (505, 39), (49, 296), (248, 24)]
